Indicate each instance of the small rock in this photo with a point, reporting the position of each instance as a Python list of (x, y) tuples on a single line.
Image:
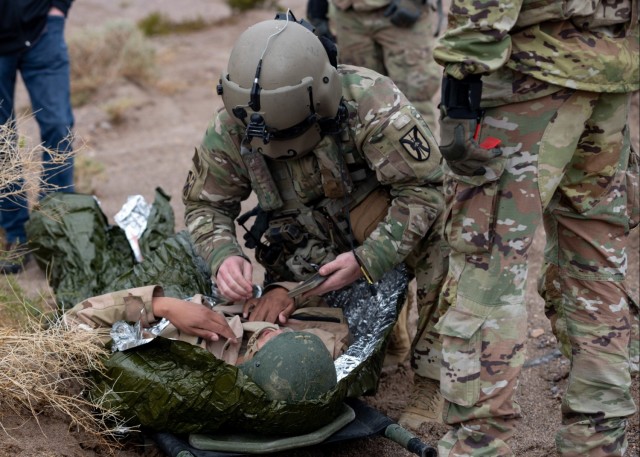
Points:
[(536, 332)]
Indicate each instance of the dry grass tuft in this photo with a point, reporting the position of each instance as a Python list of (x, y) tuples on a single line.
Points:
[(101, 56), (159, 24), (244, 5), (45, 371), (22, 161)]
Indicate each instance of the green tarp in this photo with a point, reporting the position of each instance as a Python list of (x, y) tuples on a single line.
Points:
[(84, 256), (171, 386)]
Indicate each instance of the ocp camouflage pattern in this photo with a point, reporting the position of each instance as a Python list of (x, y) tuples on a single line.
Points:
[(557, 80), (367, 38), (385, 137), (596, 48)]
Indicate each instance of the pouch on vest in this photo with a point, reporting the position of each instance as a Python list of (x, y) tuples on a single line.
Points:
[(366, 216), (261, 181)]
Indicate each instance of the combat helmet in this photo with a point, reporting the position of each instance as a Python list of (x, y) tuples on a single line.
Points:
[(292, 367), (281, 84)]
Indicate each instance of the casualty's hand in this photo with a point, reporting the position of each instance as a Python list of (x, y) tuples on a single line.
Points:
[(461, 150), (341, 272), (193, 318), (234, 278), (273, 306)]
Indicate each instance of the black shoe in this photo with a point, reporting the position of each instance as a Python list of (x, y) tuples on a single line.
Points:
[(14, 258)]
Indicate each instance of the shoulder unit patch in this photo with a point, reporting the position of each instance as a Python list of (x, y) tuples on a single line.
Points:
[(416, 144)]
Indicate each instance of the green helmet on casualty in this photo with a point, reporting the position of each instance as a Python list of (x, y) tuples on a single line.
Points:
[(282, 86), (292, 367)]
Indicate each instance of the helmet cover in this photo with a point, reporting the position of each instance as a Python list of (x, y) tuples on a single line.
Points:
[(292, 367)]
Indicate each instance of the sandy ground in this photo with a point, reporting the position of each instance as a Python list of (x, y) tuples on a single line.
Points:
[(154, 146)]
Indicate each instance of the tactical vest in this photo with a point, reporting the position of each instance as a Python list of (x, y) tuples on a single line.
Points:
[(307, 202)]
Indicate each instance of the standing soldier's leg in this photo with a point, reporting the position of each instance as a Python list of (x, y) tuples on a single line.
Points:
[(46, 73), (587, 228), (425, 401), (355, 34), (490, 228), (633, 211), (408, 60)]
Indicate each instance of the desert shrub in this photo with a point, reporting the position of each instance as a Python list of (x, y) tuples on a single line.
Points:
[(100, 56), (159, 24), (117, 109), (46, 369), (243, 5)]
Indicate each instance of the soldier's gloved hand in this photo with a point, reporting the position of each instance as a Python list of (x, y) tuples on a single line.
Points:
[(403, 13), (460, 114), (461, 150)]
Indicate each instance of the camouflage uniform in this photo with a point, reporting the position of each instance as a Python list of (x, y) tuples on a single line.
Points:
[(367, 38), (135, 305), (557, 80), (386, 144)]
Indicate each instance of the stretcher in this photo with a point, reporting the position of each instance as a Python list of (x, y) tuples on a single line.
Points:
[(252, 424), (365, 422)]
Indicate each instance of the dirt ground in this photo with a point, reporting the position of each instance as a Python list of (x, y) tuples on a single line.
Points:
[(153, 148)]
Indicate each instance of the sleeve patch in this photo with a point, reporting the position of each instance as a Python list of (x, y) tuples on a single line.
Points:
[(416, 145)]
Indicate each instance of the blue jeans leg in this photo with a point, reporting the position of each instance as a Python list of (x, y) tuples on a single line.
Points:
[(46, 74), (13, 203)]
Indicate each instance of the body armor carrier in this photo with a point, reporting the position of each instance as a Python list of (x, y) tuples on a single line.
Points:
[(302, 219)]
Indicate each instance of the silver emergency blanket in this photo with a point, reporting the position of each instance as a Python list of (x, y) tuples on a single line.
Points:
[(132, 218)]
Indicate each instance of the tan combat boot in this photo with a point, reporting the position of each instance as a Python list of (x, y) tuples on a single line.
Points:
[(426, 404)]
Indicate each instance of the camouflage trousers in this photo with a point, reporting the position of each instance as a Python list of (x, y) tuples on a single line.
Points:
[(368, 39), (430, 272), (565, 160)]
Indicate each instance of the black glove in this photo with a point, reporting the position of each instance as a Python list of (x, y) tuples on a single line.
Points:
[(460, 115), (403, 13)]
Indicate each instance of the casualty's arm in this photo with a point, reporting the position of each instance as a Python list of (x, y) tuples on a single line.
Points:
[(146, 305), (131, 305), (193, 318)]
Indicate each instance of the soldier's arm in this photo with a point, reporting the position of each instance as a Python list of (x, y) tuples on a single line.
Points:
[(477, 39), (404, 154), (215, 187)]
